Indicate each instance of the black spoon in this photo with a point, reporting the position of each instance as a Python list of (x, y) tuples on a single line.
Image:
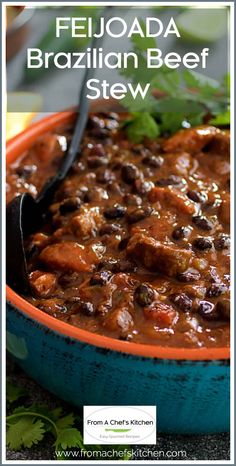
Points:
[(24, 213)]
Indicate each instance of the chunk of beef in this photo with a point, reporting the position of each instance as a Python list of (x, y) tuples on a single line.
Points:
[(174, 198), (163, 314), (155, 256), (87, 223), (221, 143), (42, 283), (48, 146), (120, 319), (69, 255), (182, 163), (191, 140), (54, 307)]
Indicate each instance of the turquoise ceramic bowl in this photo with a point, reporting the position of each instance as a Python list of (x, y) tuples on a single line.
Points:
[(190, 387)]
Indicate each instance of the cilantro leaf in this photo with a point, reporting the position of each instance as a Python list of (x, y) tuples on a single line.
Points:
[(180, 106), (175, 98), (140, 75), (143, 43), (139, 104), (24, 433), (142, 124), (199, 81), (66, 421), (55, 413), (223, 119), (166, 81), (27, 426), (171, 120), (69, 438)]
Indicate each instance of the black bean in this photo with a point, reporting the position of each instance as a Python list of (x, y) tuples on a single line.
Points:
[(202, 244), (188, 276), (100, 278), (118, 211), (86, 308), (216, 289), (171, 180), (68, 192), (98, 150), (73, 304), (181, 233), (99, 133), (222, 242), (116, 164), (107, 264), (138, 149), (153, 161), (182, 301), (109, 229), (207, 310), (125, 337), (129, 173), (70, 205), (139, 214), (89, 196), (223, 307), (94, 161), (104, 176), (110, 122), (123, 265), (196, 196), (95, 122), (116, 266), (202, 222), (111, 116), (144, 295), (123, 243)]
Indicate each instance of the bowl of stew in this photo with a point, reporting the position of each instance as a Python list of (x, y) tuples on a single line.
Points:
[(129, 273)]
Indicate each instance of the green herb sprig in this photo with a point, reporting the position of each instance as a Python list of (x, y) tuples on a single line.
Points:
[(177, 98), (27, 426)]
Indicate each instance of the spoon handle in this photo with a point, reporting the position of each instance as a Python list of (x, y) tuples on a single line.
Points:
[(53, 183)]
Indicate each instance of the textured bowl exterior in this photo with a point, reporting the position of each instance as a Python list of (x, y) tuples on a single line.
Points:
[(192, 397)]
